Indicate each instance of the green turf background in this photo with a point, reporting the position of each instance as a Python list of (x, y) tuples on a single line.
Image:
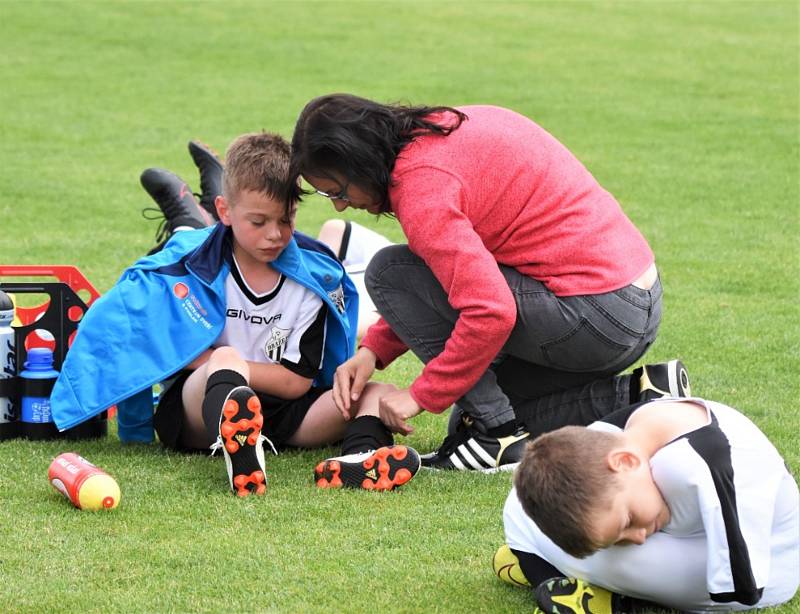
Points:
[(686, 111)]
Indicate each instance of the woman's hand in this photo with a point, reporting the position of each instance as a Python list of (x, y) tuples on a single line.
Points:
[(397, 407), (350, 378)]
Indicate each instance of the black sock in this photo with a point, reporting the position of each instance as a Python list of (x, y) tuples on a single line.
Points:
[(365, 433), (535, 569), (634, 385), (218, 387)]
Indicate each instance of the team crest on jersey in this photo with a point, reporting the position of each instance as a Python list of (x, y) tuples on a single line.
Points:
[(337, 296), (276, 343)]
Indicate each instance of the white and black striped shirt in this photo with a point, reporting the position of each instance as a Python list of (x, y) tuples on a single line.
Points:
[(285, 325), (733, 538)]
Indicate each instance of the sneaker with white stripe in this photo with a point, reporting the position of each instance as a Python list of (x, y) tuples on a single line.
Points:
[(468, 449)]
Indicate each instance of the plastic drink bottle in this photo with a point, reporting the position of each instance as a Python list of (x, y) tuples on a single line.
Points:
[(16, 321), (8, 368), (38, 378), (86, 486)]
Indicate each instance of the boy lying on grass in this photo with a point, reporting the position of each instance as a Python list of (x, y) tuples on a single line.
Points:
[(680, 503)]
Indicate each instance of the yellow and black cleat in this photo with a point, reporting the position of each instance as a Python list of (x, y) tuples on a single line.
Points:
[(574, 596), (506, 567)]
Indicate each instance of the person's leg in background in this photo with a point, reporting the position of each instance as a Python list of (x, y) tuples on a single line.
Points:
[(210, 168), (355, 245), (178, 207)]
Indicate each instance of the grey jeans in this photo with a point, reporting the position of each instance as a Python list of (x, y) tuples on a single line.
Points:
[(560, 363)]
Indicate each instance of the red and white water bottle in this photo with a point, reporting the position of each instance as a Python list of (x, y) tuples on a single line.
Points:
[(88, 487)]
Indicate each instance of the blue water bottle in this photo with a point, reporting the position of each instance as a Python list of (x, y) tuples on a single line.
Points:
[(37, 380), (8, 370)]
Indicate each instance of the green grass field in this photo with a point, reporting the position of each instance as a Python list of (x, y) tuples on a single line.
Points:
[(686, 111)]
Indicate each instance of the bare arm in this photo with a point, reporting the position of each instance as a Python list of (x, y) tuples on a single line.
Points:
[(277, 380), (658, 423)]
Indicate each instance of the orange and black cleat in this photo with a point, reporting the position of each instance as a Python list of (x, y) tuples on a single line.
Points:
[(382, 469), (242, 443)]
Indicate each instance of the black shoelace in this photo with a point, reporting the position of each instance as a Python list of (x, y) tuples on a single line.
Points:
[(163, 233), (456, 438)]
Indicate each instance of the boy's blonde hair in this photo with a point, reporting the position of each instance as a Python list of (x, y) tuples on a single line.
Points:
[(259, 162), (563, 480)]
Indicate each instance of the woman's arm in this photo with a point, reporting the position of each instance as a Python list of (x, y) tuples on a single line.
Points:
[(439, 231)]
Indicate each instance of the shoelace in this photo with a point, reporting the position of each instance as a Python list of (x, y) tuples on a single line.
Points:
[(163, 233), (261, 439), (456, 438)]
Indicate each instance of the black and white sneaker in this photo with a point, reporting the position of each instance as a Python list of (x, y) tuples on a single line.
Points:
[(469, 449), (382, 469), (210, 167), (178, 206), (664, 379), (242, 442)]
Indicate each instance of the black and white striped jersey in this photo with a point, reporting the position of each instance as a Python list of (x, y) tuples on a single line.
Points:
[(285, 325), (732, 540)]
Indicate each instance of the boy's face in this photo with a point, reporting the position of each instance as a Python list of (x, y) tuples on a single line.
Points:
[(261, 227), (637, 509), (343, 194)]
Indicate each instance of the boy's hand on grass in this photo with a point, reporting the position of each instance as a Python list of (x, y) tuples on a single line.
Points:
[(397, 407), (350, 378)]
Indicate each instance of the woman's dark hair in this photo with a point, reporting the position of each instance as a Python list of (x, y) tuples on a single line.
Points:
[(360, 139)]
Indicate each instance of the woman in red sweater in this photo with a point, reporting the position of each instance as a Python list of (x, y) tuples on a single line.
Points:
[(523, 285)]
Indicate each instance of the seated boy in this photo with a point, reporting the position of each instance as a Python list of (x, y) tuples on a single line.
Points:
[(683, 503), (252, 319)]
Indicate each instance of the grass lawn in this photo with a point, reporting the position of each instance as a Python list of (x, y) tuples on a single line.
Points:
[(686, 111)]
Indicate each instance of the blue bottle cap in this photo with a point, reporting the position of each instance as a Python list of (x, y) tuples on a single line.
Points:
[(39, 359)]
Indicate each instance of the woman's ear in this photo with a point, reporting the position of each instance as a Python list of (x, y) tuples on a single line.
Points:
[(223, 209), (622, 459)]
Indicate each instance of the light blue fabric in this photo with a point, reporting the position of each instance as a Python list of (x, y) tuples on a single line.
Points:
[(166, 310)]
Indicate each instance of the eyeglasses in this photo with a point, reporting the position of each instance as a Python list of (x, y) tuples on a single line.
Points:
[(342, 195)]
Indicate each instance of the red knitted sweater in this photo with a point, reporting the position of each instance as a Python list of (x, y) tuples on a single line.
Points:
[(500, 189)]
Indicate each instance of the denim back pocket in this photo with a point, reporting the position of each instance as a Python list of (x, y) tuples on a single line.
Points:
[(584, 348), (609, 327)]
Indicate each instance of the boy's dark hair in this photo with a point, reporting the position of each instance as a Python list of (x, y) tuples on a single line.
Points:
[(360, 139), (259, 162), (563, 480)]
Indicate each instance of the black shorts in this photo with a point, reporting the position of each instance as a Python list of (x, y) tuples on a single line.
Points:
[(282, 417)]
